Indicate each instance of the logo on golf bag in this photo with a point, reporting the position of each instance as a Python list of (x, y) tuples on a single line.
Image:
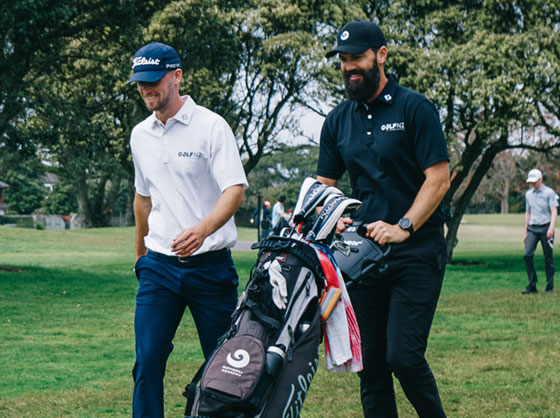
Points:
[(354, 243), (240, 359), (297, 395)]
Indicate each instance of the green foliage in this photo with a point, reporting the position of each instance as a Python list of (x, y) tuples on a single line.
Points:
[(488, 66), (84, 118), (281, 172), (20, 221), (26, 192), (252, 62), (61, 200)]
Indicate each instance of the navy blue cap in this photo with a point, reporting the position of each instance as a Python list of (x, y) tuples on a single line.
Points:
[(153, 61), (355, 37)]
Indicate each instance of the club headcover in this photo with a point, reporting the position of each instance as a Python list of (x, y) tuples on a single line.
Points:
[(311, 194), (334, 207)]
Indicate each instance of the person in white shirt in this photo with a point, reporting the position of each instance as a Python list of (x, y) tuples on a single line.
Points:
[(189, 182), (279, 216), (540, 218)]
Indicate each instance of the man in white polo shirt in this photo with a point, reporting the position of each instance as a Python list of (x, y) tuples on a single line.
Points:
[(540, 217), (189, 182)]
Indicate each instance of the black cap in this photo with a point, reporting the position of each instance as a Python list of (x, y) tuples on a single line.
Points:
[(153, 61), (356, 37)]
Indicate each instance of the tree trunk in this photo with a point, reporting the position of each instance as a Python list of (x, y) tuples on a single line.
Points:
[(505, 197), (84, 209), (462, 203), (129, 215)]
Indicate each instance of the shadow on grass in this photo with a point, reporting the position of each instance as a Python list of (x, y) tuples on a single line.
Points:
[(11, 269)]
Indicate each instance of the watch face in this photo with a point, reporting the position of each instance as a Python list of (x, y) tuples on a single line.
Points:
[(405, 223)]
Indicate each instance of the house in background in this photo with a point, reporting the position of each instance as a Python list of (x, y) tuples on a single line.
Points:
[(3, 206), (49, 179)]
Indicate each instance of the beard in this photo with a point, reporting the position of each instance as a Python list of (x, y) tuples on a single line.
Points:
[(158, 106), (364, 90)]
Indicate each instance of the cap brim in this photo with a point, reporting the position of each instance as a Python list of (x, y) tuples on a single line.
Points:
[(347, 49), (532, 179), (147, 76)]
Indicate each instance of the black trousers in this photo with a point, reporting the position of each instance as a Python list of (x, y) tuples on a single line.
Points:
[(395, 314), (536, 233)]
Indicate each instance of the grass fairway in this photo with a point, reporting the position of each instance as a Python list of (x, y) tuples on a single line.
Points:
[(67, 341)]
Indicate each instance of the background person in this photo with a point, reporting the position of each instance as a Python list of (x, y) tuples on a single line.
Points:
[(541, 210), (266, 224), (189, 182), (390, 140), (279, 216)]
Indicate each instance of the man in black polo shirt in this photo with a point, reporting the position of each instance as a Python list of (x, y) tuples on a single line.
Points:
[(390, 141)]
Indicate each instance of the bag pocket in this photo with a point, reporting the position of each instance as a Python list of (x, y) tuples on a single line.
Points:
[(231, 376)]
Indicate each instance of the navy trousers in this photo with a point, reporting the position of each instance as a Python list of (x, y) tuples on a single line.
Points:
[(395, 313), (536, 233), (207, 284)]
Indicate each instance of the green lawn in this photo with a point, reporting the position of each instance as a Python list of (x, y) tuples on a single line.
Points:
[(66, 336)]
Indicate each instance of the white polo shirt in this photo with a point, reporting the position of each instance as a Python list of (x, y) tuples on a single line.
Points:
[(184, 166)]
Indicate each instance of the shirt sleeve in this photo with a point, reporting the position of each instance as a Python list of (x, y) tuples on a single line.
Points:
[(330, 164), (139, 182), (427, 135), (224, 157), (553, 199)]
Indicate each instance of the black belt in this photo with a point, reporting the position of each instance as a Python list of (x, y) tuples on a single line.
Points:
[(192, 260)]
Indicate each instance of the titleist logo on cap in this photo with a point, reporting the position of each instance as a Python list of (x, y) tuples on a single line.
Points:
[(145, 61)]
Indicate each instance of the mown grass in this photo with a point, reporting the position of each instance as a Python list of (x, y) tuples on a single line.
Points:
[(67, 341)]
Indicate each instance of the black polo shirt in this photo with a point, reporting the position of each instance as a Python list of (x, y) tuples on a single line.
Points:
[(385, 146)]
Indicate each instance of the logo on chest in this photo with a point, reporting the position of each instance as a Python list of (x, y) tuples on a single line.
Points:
[(191, 154), (395, 126)]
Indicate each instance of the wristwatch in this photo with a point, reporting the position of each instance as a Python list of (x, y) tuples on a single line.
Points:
[(406, 224)]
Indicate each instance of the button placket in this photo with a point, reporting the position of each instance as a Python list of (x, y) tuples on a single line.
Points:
[(369, 125), (165, 139)]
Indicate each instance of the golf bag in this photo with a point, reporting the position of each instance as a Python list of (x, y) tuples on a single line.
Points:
[(357, 255), (264, 364)]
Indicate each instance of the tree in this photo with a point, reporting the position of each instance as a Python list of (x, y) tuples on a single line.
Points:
[(252, 61), (249, 61), (470, 58), (33, 33), (61, 200), (495, 188), (282, 171), (26, 28), (26, 192), (82, 119)]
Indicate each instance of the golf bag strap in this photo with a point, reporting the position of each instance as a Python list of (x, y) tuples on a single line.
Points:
[(190, 390), (254, 307), (300, 250)]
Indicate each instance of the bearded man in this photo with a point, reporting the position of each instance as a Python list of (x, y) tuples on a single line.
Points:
[(389, 139)]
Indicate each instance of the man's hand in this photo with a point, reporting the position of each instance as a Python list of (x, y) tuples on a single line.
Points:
[(191, 239), (188, 241), (550, 232), (385, 233), (341, 224)]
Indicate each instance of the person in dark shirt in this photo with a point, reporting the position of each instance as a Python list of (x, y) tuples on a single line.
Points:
[(390, 141), (266, 222)]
